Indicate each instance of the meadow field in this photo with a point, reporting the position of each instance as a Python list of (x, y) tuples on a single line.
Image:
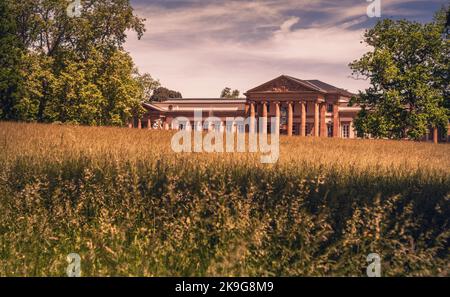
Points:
[(129, 206)]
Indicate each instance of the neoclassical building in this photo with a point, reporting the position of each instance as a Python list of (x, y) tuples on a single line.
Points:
[(302, 107), (305, 107)]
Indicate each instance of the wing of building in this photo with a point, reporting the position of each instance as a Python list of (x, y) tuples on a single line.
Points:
[(301, 107)]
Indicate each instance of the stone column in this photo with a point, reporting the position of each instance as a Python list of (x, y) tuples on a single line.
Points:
[(316, 119), (277, 117), (290, 121), (323, 124), (149, 123), (336, 121), (139, 124), (130, 123), (252, 117), (303, 119), (264, 117), (435, 135)]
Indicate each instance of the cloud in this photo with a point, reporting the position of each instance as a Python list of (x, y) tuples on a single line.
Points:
[(287, 25), (199, 47)]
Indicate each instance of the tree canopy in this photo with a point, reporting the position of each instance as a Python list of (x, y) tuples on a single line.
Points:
[(148, 85), (162, 94), (408, 73), (10, 55), (229, 94), (56, 67)]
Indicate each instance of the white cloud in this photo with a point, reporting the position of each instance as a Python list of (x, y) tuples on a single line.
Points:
[(201, 49), (287, 25)]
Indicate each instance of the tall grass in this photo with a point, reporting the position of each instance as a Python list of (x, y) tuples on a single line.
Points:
[(129, 206)]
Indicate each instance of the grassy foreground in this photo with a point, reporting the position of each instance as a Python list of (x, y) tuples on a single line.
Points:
[(129, 206)]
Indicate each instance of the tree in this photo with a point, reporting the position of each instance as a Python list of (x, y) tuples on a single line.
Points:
[(162, 94), (45, 26), (34, 92), (103, 95), (147, 84), (10, 56), (227, 93), (408, 73), (70, 69)]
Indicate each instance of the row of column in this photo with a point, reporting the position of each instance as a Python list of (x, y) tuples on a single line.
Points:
[(319, 118), (149, 124)]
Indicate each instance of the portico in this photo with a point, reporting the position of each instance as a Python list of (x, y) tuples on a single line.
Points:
[(299, 107), (304, 108)]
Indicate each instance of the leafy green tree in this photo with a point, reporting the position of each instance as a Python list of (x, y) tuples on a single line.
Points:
[(227, 93), (408, 73), (442, 20), (45, 26), (98, 91), (147, 84), (162, 94), (75, 96), (123, 92), (70, 69), (10, 56), (37, 79)]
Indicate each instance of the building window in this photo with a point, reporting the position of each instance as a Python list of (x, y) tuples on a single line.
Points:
[(268, 107), (330, 130), (283, 119), (345, 131), (329, 107), (309, 128), (183, 126)]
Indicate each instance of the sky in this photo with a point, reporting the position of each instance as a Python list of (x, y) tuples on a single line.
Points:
[(199, 47)]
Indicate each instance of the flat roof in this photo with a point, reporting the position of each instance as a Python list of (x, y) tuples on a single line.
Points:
[(202, 100)]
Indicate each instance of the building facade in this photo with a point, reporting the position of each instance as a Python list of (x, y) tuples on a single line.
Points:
[(301, 107)]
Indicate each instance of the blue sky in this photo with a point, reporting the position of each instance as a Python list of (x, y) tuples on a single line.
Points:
[(198, 47)]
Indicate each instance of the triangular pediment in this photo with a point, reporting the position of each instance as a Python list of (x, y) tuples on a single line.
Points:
[(283, 84)]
